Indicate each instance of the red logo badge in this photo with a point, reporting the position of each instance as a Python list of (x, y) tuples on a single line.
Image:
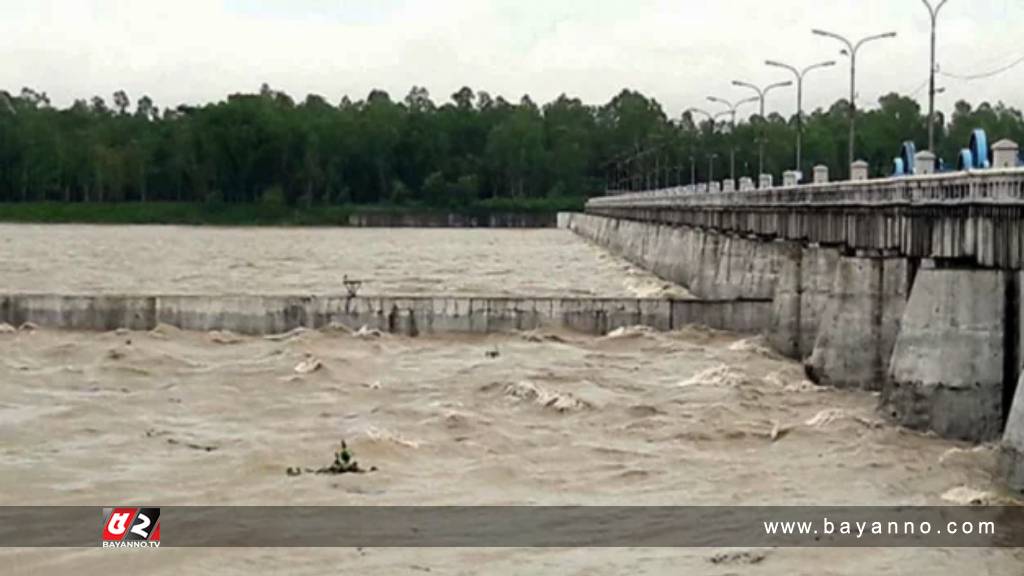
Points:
[(131, 527)]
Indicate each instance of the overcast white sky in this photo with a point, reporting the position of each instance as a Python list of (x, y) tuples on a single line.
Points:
[(679, 51)]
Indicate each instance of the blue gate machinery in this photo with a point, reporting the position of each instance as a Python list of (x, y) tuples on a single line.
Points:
[(975, 157)]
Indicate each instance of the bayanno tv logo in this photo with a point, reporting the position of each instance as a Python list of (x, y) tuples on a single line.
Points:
[(131, 527)]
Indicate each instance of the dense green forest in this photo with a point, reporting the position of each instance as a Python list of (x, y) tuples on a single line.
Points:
[(471, 150)]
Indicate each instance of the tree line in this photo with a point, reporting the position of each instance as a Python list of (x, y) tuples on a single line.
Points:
[(267, 148)]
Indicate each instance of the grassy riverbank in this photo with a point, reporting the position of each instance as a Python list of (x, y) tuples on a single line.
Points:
[(270, 214)]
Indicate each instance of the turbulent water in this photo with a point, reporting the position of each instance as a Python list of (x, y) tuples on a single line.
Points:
[(691, 417), (390, 261)]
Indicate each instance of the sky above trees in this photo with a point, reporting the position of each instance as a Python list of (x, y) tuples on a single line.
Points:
[(679, 51)]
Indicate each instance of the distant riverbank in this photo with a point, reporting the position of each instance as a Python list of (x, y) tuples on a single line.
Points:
[(501, 213)]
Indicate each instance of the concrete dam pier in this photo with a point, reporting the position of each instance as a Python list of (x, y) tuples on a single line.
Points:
[(908, 286)]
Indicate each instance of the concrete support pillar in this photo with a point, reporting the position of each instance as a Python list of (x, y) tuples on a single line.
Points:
[(765, 181), (1011, 460), (859, 170), (924, 163), (1005, 154), (821, 174), (746, 184), (790, 178), (801, 295), (947, 370), (728, 186), (860, 323)]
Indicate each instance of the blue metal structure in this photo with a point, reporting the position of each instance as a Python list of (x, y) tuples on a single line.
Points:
[(907, 153), (898, 169)]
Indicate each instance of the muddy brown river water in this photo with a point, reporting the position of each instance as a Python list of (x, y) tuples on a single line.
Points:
[(684, 418), (694, 417), (390, 261)]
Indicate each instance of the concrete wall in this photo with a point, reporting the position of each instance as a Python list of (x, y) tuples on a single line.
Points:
[(860, 322), (1012, 453), (710, 265), (948, 366), (413, 315), (443, 220)]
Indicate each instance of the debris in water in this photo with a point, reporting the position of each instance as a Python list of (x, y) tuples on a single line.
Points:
[(344, 463), (779, 432), (309, 365), (28, 327), (492, 354), (7, 329)]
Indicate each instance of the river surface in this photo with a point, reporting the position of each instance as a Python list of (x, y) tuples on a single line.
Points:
[(693, 417), (389, 261), (683, 418)]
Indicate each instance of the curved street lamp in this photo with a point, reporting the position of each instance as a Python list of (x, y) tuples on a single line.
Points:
[(934, 12), (851, 51), (711, 117), (800, 73), (731, 112), (761, 93)]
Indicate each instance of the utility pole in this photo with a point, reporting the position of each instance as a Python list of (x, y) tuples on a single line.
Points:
[(851, 51), (732, 108), (761, 93), (800, 102), (934, 13)]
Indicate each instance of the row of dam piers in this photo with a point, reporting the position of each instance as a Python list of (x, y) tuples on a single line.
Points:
[(938, 339)]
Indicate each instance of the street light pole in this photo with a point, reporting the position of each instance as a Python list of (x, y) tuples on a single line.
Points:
[(711, 169), (934, 12), (693, 171), (800, 102), (761, 93), (851, 51), (732, 108)]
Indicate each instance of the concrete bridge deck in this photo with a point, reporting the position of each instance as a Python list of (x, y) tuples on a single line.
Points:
[(976, 216)]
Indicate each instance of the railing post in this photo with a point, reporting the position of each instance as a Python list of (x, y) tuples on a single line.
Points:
[(924, 163), (765, 182), (859, 170), (1004, 154), (821, 174)]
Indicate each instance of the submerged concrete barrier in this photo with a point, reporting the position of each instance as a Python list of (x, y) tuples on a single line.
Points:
[(408, 315)]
